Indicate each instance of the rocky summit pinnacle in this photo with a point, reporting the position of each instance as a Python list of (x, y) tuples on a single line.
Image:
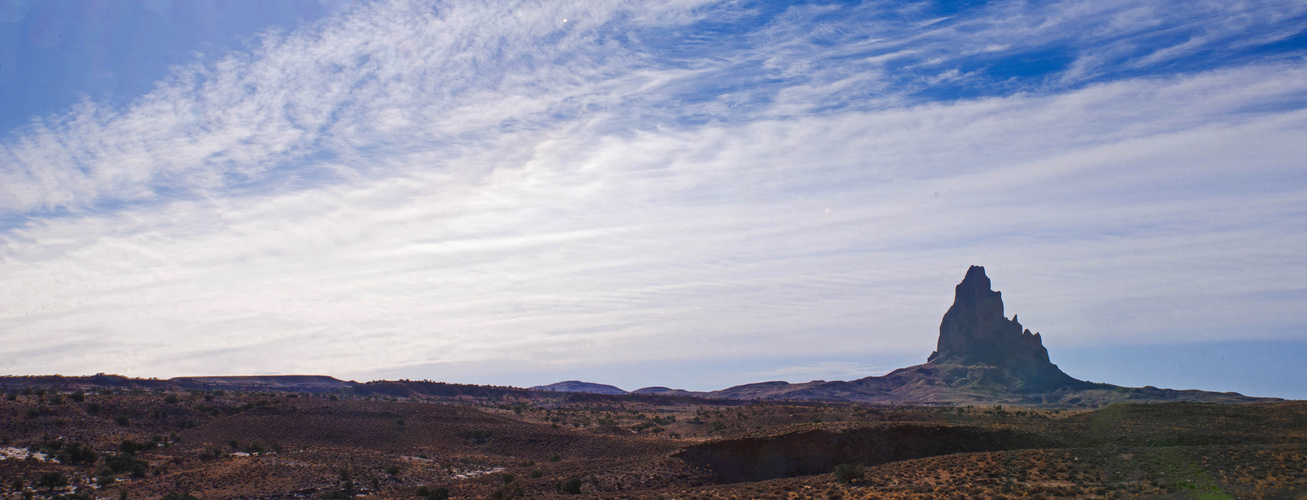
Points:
[(975, 332), (982, 358)]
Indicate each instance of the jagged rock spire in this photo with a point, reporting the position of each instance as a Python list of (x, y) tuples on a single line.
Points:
[(975, 332)]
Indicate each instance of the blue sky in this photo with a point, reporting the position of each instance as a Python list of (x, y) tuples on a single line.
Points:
[(684, 193), (58, 53)]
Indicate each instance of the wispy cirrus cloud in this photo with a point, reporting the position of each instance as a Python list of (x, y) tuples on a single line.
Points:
[(453, 77), (441, 189), (710, 242), (382, 79)]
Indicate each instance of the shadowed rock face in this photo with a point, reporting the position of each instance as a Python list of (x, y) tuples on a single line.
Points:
[(975, 332)]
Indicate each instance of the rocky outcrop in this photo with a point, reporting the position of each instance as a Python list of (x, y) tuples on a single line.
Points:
[(665, 391), (981, 357), (976, 332), (579, 386)]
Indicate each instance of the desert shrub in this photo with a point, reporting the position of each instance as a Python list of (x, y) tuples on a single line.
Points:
[(179, 495), (433, 494), (211, 453), (56, 400), (537, 473), (848, 473), (93, 408), (11, 396), (479, 436), (127, 463), (171, 399), (123, 420), (52, 480), (132, 447), (33, 412), (508, 490), (78, 396), (48, 447), (254, 448), (18, 484), (335, 495), (77, 454), (554, 458), (571, 486)]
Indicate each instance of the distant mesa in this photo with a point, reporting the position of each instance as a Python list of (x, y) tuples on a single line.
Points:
[(665, 391), (318, 384), (579, 386), (306, 383)]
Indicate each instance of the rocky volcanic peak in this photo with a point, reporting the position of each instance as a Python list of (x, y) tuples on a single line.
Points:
[(982, 358), (975, 332)]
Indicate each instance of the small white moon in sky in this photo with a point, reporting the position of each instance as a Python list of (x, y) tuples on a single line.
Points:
[(827, 210)]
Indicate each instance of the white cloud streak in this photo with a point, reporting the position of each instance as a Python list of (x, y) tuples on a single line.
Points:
[(386, 77), (406, 188), (448, 78)]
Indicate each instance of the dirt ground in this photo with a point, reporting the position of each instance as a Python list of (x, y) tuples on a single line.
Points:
[(146, 444)]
